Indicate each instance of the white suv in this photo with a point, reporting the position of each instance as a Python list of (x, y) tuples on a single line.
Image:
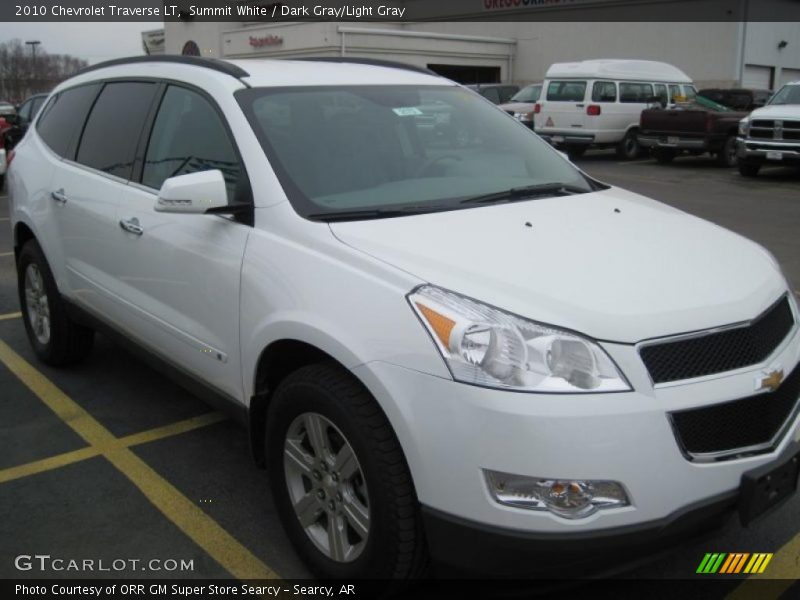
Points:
[(468, 351)]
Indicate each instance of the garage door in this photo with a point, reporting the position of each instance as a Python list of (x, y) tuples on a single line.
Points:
[(788, 75), (757, 77)]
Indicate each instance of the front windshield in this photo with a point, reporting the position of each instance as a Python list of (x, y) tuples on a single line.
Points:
[(788, 94), (527, 94), (426, 148)]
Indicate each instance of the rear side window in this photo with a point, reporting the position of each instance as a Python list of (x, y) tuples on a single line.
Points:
[(635, 92), (189, 136), (36, 105), (566, 91), (63, 118), (109, 139), (661, 92), (604, 91), (675, 93)]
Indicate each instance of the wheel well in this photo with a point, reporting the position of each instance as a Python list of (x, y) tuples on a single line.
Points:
[(277, 361), (22, 233)]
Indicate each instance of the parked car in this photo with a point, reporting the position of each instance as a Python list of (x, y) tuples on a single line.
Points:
[(598, 103), (3, 163), (522, 104), (771, 135), (499, 93), (6, 109), (697, 128), (21, 121), (737, 99), (476, 354)]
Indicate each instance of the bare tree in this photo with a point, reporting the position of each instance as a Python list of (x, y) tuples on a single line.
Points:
[(21, 75)]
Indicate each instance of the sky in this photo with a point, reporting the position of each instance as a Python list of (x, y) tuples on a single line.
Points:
[(94, 42)]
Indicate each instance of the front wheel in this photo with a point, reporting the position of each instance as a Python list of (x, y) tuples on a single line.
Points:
[(726, 157), (339, 478), (56, 339)]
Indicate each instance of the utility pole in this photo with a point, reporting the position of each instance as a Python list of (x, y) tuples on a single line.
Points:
[(33, 44)]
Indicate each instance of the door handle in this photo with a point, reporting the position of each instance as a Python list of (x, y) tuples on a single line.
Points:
[(580, 105), (131, 226), (59, 196)]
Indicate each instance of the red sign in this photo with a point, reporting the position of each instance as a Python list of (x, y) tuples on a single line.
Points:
[(267, 40)]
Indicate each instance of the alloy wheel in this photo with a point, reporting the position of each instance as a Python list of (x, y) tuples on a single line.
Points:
[(38, 308), (327, 487)]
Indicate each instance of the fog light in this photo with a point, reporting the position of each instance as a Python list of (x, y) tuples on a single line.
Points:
[(567, 498)]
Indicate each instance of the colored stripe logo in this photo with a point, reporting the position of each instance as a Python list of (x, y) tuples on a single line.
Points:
[(734, 563)]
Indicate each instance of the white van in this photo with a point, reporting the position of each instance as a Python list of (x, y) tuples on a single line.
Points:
[(598, 103)]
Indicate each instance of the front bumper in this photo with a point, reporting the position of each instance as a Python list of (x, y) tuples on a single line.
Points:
[(766, 151), (450, 432)]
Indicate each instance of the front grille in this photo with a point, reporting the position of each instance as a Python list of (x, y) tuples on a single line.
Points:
[(720, 351), (764, 129), (730, 426)]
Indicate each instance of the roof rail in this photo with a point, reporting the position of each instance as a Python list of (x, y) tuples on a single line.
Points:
[(375, 62), (197, 61)]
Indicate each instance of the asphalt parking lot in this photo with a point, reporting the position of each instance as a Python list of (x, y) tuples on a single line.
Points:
[(110, 460)]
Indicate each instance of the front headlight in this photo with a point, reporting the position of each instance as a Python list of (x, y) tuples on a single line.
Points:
[(485, 346), (744, 126)]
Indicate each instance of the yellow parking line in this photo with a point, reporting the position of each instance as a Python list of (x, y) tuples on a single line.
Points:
[(8, 316), (782, 573), (4, 219), (6, 254), (67, 458), (185, 514), (47, 464), (173, 429)]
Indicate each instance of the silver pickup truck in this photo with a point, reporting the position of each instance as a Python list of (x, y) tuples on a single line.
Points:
[(771, 135)]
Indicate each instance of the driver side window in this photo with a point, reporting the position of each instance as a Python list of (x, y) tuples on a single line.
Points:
[(188, 137)]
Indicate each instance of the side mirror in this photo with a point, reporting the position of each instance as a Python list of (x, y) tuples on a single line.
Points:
[(564, 155), (12, 120), (195, 193)]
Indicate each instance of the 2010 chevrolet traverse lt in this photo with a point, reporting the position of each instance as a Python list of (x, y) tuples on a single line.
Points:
[(447, 346)]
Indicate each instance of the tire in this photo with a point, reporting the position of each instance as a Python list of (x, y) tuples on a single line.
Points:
[(575, 152), (629, 147), (664, 155), (326, 398), (56, 339), (726, 157), (749, 169)]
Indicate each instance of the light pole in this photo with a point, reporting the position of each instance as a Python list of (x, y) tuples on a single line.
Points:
[(33, 44)]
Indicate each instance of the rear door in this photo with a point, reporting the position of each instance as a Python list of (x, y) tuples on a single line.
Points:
[(87, 186), (179, 273), (563, 106)]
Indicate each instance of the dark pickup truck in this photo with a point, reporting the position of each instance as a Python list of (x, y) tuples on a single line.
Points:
[(697, 128)]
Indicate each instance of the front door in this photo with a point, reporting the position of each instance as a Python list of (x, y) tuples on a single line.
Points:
[(180, 273)]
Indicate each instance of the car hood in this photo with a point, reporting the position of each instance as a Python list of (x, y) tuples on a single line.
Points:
[(522, 107), (778, 111), (613, 265)]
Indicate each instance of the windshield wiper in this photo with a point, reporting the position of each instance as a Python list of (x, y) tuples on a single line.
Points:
[(530, 191), (375, 213)]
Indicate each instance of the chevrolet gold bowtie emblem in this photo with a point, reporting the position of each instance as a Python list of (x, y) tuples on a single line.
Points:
[(772, 381)]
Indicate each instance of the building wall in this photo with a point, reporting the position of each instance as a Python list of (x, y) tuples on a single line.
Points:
[(711, 53), (761, 47)]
